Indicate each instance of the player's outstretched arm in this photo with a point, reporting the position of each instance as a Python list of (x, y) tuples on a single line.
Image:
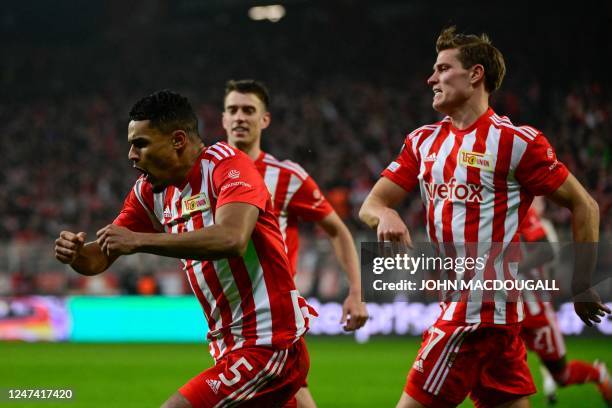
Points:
[(228, 237), (585, 228), (354, 312), (377, 212), (85, 258)]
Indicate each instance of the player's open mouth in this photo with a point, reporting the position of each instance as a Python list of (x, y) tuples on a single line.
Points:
[(240, 129), (143, 171)]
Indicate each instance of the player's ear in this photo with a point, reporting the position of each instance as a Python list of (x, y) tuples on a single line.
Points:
[(476, 73), (226, 121), (265, 120), (178, 139)]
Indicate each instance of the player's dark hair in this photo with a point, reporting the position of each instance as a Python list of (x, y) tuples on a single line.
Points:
[(474, 50), (167, 111), (247, 86)]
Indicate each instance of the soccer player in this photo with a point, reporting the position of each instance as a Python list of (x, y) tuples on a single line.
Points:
[(540, 330), (209, 207), (295, 195), (478, 174)]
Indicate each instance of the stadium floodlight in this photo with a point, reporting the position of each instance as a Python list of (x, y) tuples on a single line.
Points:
[(271, 13)]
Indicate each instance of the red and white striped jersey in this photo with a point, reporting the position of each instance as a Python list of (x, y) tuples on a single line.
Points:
[(295, 195), (476, 185), (249, 300)]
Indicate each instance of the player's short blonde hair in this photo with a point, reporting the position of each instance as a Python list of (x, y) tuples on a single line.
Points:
[(474, 50)]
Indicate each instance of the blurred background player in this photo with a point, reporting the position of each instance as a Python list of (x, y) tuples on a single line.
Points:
[(540, 331), (209, 207), (295, 195), (478, 174)]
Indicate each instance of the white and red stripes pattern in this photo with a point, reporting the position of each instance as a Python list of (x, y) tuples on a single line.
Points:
[(220, 151), (497, 216), (494, 214), (283, 179), (295, 196), (239, 306), (526, 131)]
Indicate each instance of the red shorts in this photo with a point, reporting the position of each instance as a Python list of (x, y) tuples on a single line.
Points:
[(251, 377), (489, 363), (541, 332)]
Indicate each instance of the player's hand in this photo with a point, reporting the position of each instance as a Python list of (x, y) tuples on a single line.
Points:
[(68, 246), (392, 228), (589, 307), (354, 312), (116, 240)]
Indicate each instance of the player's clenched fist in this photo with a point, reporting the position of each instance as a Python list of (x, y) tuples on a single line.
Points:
[(116, 240), (68, 246), (354, 312)]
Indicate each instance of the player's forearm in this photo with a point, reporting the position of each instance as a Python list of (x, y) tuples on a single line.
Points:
[(585, 228), (371, 210), (379, 205), (91, 260), (585, 220), (211, 243)]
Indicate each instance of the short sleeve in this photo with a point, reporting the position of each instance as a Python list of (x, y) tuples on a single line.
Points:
[(404, 170), (134, 216), (532, 229), (309, 203), (236, 180), (539, 171)]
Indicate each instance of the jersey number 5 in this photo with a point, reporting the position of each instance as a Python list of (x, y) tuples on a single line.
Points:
[(234, 369)]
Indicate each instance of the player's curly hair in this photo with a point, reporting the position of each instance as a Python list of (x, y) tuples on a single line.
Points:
[(167, 111), (474, 50), (247, 86)]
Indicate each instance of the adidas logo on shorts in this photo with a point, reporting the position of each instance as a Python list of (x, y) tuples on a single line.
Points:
[(418, 365), (214, 385)]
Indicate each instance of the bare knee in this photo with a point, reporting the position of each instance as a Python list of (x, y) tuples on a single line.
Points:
[(406, 401), (304, 398), (176, 400)]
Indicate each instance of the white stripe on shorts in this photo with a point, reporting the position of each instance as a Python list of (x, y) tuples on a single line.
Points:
[(438, 375), (456, 350)]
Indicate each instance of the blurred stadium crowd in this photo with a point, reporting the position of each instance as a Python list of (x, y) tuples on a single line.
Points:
[(346, 85)]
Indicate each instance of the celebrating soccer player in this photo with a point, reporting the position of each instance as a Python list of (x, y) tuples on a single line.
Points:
[(209, 207), (295, 195), (478, 173)]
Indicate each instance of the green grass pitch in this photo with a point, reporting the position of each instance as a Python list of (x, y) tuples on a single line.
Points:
[(343, 373)]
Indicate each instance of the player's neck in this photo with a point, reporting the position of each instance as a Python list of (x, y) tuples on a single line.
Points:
[(186, 163), (467, 114), (252, 150)]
